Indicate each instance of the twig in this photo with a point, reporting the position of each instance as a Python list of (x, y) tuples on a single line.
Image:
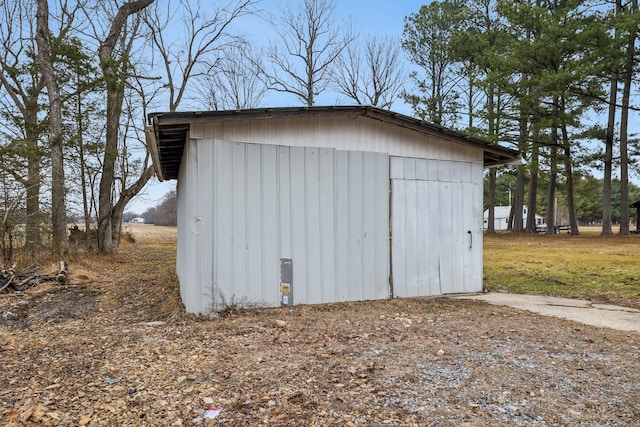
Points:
[(7, 284)]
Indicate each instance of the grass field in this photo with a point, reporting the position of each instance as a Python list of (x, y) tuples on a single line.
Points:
[(586, 266)]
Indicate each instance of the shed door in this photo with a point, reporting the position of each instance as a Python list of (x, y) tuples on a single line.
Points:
[(436, 227)]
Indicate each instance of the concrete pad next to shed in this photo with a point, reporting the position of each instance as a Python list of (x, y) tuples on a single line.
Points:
[(601, 315)]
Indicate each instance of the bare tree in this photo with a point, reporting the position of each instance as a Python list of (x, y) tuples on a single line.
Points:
[(58, 211), (308, 45), (370, 74), (113, 52), (205, 34), (232, 81), (22, 86)]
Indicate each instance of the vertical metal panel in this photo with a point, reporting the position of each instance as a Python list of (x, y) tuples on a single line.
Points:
[(355, 226), (223, 214), (446, 239), (186, 261), (422, 243), (455, 173), (432, 170), (284, 202), (444, 170), (398, 237), (397, 167), (238, 222), (203, 228), (270, 225), (182, 199), (421, 169), (369, 193), (433, 239), (342, 255), (381, 185), (409, 168), (411, 213), (298, 222), (327, 224), (458, 232), (254, 222), (311, 199)]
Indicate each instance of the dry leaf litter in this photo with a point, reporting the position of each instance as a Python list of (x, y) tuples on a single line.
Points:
[(112, 347)]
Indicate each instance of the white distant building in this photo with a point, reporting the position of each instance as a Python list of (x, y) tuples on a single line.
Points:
[(138, 220), (501, 218)]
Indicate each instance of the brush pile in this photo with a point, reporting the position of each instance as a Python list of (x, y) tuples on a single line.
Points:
[(14, 280)]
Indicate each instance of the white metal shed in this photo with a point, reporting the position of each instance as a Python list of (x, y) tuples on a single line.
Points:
[(321, 204)]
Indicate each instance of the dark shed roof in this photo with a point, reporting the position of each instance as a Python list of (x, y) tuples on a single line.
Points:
[(168, 131)]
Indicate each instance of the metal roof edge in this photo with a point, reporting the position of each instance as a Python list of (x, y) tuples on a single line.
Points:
[(152, 144), (498, 155)]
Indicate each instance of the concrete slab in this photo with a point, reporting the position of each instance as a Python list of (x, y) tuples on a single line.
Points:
[(594, 314)]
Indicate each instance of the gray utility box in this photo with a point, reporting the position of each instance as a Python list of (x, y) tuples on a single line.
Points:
[(286, 281)]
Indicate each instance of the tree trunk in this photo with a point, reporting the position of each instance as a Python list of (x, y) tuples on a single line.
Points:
[(518, 200), (58, 212), (553, 176), (105, 196), (125, 197), (568, 172), (624, 129), (114, 73), (533, 184), (517, 207), (32, 184), (608, 145), (491, 117)]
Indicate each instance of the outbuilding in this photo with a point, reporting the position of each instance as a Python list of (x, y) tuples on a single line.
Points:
[(321, 204), (501, 215)]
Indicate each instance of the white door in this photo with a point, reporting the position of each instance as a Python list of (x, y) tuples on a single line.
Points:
[(436, 227)]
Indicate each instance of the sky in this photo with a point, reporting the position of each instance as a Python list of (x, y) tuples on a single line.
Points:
[(381, 17)]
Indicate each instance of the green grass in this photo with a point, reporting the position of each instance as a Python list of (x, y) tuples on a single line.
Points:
[(587, 266)]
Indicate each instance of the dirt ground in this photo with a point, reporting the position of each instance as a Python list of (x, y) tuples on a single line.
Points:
[(113, 348)]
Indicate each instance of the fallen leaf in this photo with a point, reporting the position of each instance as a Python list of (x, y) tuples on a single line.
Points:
[(38, 412), (53, 386)]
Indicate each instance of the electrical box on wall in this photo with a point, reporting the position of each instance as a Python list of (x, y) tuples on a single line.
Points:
[(286, 281)]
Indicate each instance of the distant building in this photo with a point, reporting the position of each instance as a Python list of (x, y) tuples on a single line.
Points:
[(138, 220), (501, 218)]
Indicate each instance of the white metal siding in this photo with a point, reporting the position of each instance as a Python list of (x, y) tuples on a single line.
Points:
[(435, 204), (248, 205), (340, 132)]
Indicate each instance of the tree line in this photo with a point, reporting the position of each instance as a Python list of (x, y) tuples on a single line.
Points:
[(77, 79), (537, 74), (164, 213)]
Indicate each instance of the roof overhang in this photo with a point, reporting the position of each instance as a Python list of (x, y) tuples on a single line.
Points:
[(167, 133)]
